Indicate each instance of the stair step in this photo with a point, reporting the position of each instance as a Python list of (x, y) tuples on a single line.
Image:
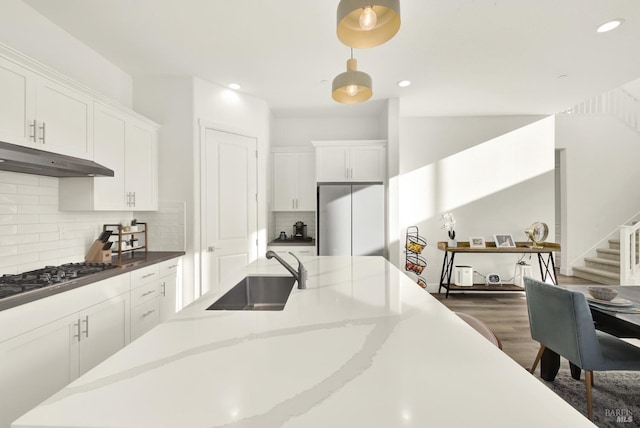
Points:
[(603, 264), (614, 244), (597, 275), (608, 253)]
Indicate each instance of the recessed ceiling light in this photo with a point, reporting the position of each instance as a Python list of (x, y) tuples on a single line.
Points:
[(610, 25), (404, 83), (234, 86)]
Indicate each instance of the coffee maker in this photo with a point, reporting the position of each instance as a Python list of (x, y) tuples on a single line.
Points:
[(299, 230)]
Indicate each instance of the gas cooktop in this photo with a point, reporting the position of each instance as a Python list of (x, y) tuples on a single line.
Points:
[(13, 285)]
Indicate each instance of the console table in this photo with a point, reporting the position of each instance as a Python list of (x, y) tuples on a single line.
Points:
[(545, 261)]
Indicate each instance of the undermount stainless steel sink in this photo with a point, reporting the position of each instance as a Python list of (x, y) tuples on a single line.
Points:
[(256, 293)]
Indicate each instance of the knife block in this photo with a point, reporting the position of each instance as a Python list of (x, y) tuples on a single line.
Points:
[(96, 254)]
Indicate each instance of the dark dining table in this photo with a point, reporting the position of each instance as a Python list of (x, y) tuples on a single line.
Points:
[(618, 321)]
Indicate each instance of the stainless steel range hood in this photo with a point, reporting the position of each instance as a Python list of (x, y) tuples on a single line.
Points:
[(32, 161)]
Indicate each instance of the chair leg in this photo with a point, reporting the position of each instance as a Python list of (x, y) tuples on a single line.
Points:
[(588, 381), (537, 360)]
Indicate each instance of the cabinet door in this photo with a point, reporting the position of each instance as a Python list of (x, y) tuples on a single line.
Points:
[(367, 163), (168, 296), (16, 109), (284, 183), (103, 331), (109, 150), (34, 366), (64, 120), (141, 167), (332, 164), (306, 180), (144, 317)]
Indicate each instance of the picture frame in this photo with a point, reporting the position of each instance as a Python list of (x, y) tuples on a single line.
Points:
[(504, 241), (477, 242)]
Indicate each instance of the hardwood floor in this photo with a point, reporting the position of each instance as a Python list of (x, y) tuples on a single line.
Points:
[(506, 314)]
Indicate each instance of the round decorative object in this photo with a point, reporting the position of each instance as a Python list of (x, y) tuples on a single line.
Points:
[(537, 233), (603, 293)]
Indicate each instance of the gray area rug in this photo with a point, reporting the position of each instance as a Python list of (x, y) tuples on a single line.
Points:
[(616, 396)]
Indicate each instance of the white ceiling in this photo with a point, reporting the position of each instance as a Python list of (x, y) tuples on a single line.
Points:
[(464, 57)]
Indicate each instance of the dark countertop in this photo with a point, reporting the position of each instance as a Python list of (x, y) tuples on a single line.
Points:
[(295, 242), (153, 257)]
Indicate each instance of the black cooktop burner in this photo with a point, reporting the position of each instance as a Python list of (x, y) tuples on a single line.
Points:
[(11, 285)]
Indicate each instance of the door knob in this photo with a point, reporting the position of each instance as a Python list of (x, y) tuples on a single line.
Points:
[(211, 249)]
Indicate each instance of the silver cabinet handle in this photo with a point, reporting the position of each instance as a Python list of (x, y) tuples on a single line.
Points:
[(77, 327), (148, 292), (172, 267), (146, 314), (164, 288), (293, 203), (134, 199), (86, 326), (148, 275), (128, 199), (32, 127), (347, 172), (43, 135)]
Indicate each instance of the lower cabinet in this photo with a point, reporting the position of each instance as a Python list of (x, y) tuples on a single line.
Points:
[(170, 287), (40, 362), (297, 250)]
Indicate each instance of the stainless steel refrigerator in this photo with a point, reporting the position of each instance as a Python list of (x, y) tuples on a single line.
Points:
[(351, 220)]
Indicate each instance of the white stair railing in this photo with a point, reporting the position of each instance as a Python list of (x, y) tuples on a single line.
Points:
[(629, 257), (617, 102)]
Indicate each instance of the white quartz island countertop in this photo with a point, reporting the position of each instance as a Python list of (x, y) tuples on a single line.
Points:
[(362, 346)]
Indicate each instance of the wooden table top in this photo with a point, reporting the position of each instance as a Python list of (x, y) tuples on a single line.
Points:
[(521, 247)]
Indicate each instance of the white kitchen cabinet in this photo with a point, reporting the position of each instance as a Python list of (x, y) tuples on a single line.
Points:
[(128, 146), (141, 167), (35, 365), (40, 113), (64, 119), (170, 287), (294, 185), (17, 109), (101, 331), (39, 361), (350, 161), (145, 301), (297, 250)]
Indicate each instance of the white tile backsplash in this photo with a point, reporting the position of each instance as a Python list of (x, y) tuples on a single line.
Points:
[(167, 231), (284, 221), (34, 233)]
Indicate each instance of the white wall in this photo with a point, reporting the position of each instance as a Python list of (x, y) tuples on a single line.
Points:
[(25, 30), (299, 132), (601, 155), (179, 104), (494, 173), (34, 233)]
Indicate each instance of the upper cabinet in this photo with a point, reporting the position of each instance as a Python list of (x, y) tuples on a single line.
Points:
[(63, 120), (128, 146), (40, 113), (350, 161), (294, 182), (17, 109)]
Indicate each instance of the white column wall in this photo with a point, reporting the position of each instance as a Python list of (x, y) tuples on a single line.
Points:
[(601, 156)]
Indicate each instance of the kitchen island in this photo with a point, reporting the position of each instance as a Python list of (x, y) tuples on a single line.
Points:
[(362, 346)]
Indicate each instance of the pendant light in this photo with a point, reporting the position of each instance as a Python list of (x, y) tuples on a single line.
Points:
[(352, 86), (367, 23)]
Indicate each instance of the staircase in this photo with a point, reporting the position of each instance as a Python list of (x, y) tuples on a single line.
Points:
[(604, 268)]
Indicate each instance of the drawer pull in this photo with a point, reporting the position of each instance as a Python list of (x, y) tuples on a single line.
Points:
[(146, 314), (148, 275), (148, 292)]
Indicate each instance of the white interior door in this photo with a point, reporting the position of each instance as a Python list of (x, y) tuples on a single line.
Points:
[(229, 203)]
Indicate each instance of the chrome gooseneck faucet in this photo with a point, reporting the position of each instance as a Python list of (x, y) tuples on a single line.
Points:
[(300, 275)]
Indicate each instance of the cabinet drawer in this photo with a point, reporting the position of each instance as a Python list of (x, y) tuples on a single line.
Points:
[(144, 293), (144, 275), (169, 267), (144, 317)]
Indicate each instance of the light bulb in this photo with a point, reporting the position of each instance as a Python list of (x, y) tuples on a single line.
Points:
[(352, 90), (368, 19)]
